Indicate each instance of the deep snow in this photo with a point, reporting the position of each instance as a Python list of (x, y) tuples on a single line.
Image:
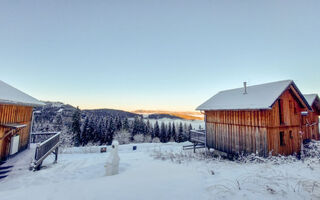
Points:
[(160, 171)]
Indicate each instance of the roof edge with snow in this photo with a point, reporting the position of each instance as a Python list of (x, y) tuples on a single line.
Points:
[(258, 97), (313, 99), (12, 96)]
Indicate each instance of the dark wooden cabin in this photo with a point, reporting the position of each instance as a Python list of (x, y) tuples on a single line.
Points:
[(16, 110), (259, 119), (312, 119)]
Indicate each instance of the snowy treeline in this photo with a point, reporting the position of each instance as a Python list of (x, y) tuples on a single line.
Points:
[(102, 130)]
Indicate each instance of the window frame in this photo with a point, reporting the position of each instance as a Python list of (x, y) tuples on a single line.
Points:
[(282, 140)]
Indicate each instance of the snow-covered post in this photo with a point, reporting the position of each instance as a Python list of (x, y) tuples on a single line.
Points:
[(301, 147), (112, 164)]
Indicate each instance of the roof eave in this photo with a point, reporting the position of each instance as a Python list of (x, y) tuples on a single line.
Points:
[(233, 109), (22, 103), (301, 96)]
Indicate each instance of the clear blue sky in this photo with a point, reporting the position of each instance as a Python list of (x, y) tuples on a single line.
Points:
[(155, 54)]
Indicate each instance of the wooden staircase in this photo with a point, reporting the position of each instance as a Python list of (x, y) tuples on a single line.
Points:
[(44, 149), (4, 170), (198, 138)]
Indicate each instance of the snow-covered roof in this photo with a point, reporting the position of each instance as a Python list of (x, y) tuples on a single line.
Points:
[(11, 95), (310, 98), (313, 99), (257, 97)]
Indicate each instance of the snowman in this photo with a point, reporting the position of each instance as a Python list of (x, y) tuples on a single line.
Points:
[(112, 164)]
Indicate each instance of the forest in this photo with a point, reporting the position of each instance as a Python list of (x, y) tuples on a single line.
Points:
[(102, 130), (100, 127)]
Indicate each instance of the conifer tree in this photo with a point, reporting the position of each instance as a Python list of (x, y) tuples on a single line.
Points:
[(118, 123), (174, 134), (76, 124), (58, 122), (148, 130), (156, 129), (180, 133), (85, 135), (125, 125), (169, 134), (91, 131), (98, 132), (110, 131), (135, 128), (189, 131), (163, 133)]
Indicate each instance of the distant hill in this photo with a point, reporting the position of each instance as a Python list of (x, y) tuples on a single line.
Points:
[(55, 116), (110, 112), (183, 115), (161, 116)]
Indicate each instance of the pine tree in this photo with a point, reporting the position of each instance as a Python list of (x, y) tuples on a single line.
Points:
[(118, 123), (169, 134), (110, 131), (156, 130), (85, 135), (76, 124), (148, 130), (135, 128), (99, 131), (104, 131), (174, 134), (125, 125), (189, 131), (185, 128), (58, 122), (180, 133), (163, 133), (91, 130)]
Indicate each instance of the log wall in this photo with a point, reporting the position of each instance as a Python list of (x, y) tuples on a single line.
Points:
[(291, 126), (257, 131), (237, 131), (311, 131), (14, 114)]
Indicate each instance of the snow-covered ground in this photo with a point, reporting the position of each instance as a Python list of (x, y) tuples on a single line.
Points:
[(161, 171)]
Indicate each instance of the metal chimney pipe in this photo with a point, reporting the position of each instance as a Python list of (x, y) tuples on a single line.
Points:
[(245, 87)]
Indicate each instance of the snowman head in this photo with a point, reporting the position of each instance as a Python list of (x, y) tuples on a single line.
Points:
[(115, 145)]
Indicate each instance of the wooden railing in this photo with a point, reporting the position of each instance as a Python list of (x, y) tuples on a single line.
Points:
[(41, 136), (44, 149), (198, 136)]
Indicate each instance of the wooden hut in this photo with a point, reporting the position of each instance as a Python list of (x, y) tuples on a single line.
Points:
[(16, 110), (257, 119), (312, 120)]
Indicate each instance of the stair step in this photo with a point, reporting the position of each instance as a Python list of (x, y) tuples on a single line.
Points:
[(2, 162), (6, 167), (1, 177), (4, 172)]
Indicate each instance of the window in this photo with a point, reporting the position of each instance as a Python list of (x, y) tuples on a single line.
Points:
[(280, 111), (282, 138)]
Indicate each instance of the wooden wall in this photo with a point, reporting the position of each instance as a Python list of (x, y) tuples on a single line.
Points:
[(256, 131), (237, 131), (291, 126), (14, 114), (311, 132)]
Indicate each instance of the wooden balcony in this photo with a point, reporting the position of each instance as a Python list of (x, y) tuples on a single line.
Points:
[(198, 136)]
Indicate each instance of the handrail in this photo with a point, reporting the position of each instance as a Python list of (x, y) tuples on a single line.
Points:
[(44, 149), (46, 146), (198, 136), (49, 139), (41, 136), (44, 133)]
